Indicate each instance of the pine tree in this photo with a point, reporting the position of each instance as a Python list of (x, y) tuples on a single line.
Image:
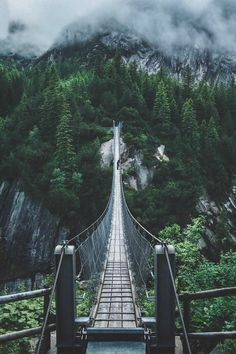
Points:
[(223, 232), (212, 133), (148, 91), (190, 129), (98, 64), (188, 82), (231, 95), (50, 112), (174, 112), (161, 109), (65, 152), (51, 78)]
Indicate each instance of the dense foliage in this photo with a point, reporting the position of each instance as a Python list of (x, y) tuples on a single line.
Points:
[(54, 117)]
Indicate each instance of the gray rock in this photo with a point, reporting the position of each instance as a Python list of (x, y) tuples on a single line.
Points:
[(29, 230), (107, 153), (208, 207)]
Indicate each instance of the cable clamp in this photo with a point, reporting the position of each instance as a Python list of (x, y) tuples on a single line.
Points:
[(65, 243)]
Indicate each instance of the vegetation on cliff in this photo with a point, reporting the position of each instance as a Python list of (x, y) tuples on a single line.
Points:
[(54, 117)]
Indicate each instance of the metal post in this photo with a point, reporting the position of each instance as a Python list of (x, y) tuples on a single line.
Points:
[(186, 306), (47, 337), (65, 300), (164, 300)]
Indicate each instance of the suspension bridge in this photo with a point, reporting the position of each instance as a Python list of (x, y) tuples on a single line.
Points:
[(118, 249), (119, 257)]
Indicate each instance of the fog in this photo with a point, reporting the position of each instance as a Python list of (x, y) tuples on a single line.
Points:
[(164, 23)]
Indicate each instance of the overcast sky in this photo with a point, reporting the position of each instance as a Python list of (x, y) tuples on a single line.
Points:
[(166, 23)]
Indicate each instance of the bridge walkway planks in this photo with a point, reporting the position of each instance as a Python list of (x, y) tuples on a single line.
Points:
[(116, 306)]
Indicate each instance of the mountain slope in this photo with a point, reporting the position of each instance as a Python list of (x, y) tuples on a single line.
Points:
[(206, 64)]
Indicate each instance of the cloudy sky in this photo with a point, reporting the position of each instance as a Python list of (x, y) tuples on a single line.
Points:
[(166, 23)]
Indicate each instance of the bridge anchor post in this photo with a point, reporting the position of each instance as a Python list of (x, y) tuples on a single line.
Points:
[(164, 300), (65, 301)]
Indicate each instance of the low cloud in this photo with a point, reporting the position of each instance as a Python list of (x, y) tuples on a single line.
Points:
[(164, 23)]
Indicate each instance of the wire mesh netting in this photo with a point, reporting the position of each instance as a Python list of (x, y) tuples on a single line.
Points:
[(140, 249)]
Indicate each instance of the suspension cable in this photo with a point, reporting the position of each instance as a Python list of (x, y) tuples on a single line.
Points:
[(39, 346), (177, 299), (96, 222), (135, 220)]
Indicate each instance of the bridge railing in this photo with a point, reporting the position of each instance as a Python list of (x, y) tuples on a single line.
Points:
[(91, 243), (153, 260), (30, 332), (141, 245), (187, 298)]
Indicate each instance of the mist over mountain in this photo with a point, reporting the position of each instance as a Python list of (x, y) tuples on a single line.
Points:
[(168, 24)]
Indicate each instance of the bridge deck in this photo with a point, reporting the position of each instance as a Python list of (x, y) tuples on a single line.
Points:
[(115, 305), (116, 348)]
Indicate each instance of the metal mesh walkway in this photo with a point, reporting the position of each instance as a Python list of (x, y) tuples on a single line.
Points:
[(115, 304)]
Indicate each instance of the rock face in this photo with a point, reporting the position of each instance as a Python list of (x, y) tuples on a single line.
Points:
[(230, 205), (107, 153), (138, 175), (28, 231), (208, 207), (35, 281), (209, 65)]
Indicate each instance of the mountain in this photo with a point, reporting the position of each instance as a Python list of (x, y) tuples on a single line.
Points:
[(204, 63), (82, 43)]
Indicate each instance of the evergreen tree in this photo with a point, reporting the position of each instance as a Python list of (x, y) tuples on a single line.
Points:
[(51, 78), (223, 232), (161, 109), (212, 133), (188, 82), (190, 129), (231, 95), (148, 92), (98, 64), (65, 152), (50, 112), (174, 112)]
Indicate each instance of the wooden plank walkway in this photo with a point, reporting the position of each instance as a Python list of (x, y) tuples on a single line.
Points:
[(115, 305)]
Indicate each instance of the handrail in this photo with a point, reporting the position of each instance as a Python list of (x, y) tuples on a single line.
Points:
[(212, 335), (6, 299), (207, 294), (25, 333), (186, 298)]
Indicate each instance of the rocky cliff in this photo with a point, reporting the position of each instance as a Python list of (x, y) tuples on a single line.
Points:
[(28, 232)]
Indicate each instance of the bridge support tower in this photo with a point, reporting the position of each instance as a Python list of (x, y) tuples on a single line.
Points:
[(164, 300), (65, 301)]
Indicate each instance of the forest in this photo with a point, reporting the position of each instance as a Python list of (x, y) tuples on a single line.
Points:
[(54, 116)]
